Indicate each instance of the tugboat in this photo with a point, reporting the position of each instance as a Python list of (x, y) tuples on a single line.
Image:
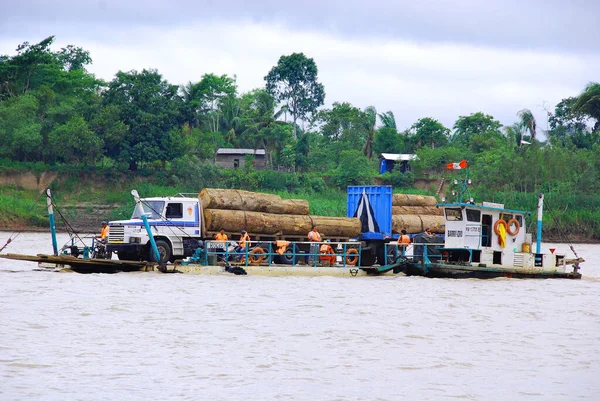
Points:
[(485, 240)]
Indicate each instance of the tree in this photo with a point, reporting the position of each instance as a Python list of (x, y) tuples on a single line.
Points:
[(75, 142), (588, 103), (294, 80), (477, 132), (528, 121), (388, 120), (74, 58), (387, 140), (353, 169), (204, 100), (428, 132), (150, 107), (370, 121)]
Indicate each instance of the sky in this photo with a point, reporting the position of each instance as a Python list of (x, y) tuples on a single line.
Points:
[(439, 59)]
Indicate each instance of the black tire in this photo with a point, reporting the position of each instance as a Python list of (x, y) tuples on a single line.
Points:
[(287, 258), (367, 258), (164, 251)]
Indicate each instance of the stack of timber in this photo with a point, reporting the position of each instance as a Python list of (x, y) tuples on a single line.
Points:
[(415, 213), (233, 210)]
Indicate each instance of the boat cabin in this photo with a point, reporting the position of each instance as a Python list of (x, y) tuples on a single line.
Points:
[(474, 234)]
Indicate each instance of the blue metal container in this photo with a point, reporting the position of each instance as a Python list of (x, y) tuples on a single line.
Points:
[(373, 205)]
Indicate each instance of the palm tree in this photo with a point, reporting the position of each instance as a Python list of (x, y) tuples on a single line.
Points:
[(588, 103), (388, 120), (371, 121), (527, 121)]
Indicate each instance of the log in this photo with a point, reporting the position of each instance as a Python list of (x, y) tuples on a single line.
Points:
[(235, 199), (279, 224), (420, 210), (415, 224), (413, 200)]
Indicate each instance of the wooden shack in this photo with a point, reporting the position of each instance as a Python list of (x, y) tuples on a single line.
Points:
[(235, 158)]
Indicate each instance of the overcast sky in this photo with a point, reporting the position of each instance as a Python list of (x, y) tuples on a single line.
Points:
[(439, 59)]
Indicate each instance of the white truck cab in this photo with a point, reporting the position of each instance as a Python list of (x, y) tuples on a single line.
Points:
[(175, 223)]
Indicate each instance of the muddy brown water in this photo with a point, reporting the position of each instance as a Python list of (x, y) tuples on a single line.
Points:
[(141, 336)]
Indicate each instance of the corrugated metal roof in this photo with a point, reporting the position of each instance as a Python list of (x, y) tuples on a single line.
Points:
[(228, 151), (398, 156)]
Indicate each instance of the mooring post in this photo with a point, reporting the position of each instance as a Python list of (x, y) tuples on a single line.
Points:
[(138, 203), (538, 247), (51, 218)]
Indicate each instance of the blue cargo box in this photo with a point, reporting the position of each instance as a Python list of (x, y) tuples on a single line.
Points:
[(373, 205)]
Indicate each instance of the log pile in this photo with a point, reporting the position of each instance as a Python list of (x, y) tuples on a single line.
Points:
[(415, 213), (235, 199), (233, 210)]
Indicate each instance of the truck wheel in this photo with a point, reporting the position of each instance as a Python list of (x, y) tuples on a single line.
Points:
[(287, 258), (164, 250)]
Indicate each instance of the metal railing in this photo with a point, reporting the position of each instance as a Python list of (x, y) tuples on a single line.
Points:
[(268, 252)]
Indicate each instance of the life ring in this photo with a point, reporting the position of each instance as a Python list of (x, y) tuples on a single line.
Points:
[(497, 224), (256, 255), (517, 227), (351, 256)]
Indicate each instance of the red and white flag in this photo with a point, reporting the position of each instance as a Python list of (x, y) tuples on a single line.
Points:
[(457, 166)]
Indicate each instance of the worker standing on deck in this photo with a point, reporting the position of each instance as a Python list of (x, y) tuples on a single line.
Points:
[(104, 233), (221, 236), (313, 236), (404, 239)]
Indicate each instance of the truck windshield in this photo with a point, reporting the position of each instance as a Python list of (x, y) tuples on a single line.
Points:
[(154, 208)]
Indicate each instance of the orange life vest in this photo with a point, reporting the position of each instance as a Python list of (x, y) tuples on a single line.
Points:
[(221, 237), (104, 233), (314, 236), (404, 240), (243, 240)]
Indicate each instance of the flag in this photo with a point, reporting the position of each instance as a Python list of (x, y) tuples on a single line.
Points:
[(365, 213), (457, 166)]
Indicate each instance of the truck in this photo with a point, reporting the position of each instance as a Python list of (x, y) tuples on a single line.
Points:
[(178, 228)]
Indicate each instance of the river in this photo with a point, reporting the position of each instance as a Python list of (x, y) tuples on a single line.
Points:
[(152, 336)]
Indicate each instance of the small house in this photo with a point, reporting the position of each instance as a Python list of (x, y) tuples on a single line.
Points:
[(235, 158), (395, 161)]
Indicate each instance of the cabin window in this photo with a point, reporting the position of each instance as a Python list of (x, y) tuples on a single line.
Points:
[(174, 211), (473, 215), (454, 214), (519, 219), (152, 209)]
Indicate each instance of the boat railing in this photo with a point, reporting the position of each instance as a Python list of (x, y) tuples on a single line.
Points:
[(344, 254)]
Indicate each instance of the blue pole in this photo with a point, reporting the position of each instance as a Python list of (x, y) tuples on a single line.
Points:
[(539, 224), (138, 202), (51, 218)]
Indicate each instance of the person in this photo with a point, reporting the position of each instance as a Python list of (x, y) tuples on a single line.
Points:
[(241, 246), (327, 253), (221, 236), (404, 239), (103, 233), (428, 232), (313, 236)]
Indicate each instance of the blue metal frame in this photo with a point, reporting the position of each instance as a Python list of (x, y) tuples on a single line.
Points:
[(203, 256)]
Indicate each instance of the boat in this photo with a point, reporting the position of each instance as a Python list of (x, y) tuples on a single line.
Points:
[(485, 240)]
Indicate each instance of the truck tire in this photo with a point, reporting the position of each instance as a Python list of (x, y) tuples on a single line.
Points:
[(287, 258), (164, 250)]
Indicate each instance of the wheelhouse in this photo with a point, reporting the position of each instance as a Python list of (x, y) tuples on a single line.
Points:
[(484, 233)]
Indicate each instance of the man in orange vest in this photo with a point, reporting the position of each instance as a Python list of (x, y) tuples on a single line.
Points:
[(221, 236)]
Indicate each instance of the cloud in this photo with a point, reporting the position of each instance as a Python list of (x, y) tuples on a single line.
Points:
[(556, 25)]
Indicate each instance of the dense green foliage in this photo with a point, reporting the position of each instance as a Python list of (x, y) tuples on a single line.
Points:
[(55, 115)]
